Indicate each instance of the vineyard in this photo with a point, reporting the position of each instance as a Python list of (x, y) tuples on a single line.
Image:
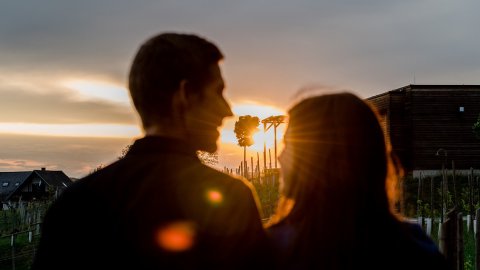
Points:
[(20, 233), (447, 213)]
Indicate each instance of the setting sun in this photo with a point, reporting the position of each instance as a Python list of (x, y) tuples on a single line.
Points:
[(260, 137), (231, 154)]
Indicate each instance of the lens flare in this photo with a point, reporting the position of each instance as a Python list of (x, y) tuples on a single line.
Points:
[(176, 236), (214, 197)]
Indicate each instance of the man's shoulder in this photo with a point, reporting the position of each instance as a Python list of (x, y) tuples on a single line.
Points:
[(218, 174), (86, 192), (233, 181), (108, 175)]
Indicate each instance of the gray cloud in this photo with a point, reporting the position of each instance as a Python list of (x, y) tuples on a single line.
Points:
[(273, 48), (75, 156), (372, 45), (58, 107)]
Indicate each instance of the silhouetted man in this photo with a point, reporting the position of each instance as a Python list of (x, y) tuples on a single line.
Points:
[(159, 207)]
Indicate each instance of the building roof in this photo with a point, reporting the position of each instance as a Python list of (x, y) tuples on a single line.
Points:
[(10, 182), (430, 87), (54, 178)]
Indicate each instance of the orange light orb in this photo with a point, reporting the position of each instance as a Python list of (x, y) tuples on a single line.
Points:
[(214, 196), (176, 236)]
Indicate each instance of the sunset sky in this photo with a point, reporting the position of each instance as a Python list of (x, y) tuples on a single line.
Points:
[(63, 64)]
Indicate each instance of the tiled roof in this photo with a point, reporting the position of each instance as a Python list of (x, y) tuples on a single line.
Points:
[(54, 178), (10, 181)]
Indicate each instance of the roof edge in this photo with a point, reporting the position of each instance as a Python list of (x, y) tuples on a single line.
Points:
[(426, 86)]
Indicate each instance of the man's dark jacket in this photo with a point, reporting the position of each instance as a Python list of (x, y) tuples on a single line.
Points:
[(157, 208)]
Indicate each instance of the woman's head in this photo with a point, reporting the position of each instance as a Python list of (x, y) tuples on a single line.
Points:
[(335, 153)]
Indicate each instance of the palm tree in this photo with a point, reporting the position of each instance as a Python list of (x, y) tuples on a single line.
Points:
[(245, 127)]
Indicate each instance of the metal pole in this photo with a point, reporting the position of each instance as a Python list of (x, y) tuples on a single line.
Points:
[(275, 131), (270, 157), (245, 164), (477, 240), (444, 185), (431, 200), (454, 185), (446, 182), (459, 237), (443, 193), (258, 166), (251, 162), (13, 249), (470, 193), (264, 146)]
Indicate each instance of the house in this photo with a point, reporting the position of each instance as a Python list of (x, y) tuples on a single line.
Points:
[(31, 185), (430, 126)]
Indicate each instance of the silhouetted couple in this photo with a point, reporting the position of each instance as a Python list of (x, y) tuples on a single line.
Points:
[(161, 208)]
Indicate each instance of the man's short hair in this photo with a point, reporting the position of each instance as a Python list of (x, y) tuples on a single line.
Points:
[(159, 66)]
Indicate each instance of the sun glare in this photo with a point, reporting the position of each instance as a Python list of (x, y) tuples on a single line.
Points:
[(260, 138), (256, 109)]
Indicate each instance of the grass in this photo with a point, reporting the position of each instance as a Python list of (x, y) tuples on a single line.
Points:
[(468, 244), (19, 221), (24, 251)]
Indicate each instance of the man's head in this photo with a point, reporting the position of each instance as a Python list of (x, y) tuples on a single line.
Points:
[(175, 79)]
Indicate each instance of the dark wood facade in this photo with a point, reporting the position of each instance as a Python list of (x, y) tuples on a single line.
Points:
[(420, 120)]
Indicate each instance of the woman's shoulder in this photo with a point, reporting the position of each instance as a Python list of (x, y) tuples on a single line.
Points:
[(424, 249), (420, 237), (282, 237), (282, 234)]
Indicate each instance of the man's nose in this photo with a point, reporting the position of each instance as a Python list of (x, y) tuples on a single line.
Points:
[(227, 110)]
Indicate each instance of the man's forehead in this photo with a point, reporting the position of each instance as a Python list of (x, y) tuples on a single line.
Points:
[(217, 79)]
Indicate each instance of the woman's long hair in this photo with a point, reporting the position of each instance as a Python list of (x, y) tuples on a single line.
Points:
[(339, 179)]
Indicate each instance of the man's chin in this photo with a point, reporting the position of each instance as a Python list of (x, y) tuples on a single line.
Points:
[(205, 141), (209, 148), (205, 145)]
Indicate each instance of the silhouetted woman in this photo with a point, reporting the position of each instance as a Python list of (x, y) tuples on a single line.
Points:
[(338, 193)]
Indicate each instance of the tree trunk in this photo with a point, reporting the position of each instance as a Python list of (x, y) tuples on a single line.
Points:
[(245, 161)]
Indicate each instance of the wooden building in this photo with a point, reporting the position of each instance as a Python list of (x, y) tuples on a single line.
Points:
[(31, 185), (429, 125)]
